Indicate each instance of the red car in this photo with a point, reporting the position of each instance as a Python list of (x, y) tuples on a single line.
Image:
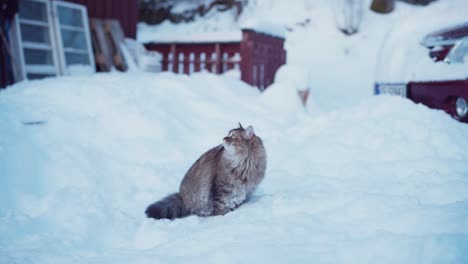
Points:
[(440, 79)]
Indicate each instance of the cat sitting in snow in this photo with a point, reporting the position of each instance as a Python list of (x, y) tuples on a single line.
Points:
[(219, 181)]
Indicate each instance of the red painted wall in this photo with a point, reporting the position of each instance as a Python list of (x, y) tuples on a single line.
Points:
[(126, 11)]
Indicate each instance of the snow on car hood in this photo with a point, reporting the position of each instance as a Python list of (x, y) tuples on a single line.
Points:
[(403, 58)]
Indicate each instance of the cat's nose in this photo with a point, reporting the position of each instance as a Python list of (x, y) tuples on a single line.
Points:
[(225, 138)]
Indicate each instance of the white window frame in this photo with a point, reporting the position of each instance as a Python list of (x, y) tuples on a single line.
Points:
[(85, 30), (59, 66), (35, 69)]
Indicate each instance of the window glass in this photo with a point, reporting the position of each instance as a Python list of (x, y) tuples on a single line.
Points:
[(38, 57), (74, 39), (36, 34), (72, 58), (33, 10), (70, 16)]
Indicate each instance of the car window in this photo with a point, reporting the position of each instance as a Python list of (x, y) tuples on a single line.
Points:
[(459, 52)]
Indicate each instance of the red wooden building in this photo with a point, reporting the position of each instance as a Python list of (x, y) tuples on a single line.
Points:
[(126, 11)]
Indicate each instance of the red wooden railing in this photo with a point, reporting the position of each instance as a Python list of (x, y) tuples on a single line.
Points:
[(194, 57), (257, 55)]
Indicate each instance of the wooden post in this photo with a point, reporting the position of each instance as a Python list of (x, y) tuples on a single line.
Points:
[(246, 53), (165, 61), (218, 58), (197, 62), (175, 58), (186, 62)]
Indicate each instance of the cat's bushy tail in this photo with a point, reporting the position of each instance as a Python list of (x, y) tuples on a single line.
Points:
[(170, 207)]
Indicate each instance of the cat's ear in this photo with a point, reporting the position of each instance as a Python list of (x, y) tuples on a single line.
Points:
[(249, 132), (240, 126)]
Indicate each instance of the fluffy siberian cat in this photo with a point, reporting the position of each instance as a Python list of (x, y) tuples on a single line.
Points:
[(219, 181)]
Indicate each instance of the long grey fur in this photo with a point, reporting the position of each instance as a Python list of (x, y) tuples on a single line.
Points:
[(220, 180), (170, 207)]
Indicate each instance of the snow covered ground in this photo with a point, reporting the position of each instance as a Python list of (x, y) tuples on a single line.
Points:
[(81, 158), (352, 178)]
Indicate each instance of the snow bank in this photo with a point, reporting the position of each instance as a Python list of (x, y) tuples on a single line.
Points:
[(81, 158)]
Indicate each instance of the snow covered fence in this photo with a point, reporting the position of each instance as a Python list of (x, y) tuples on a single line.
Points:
[(257, 55)]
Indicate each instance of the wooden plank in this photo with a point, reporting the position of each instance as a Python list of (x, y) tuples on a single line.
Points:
[(101, 45), (218, 58), (115, 36), (174, 58)]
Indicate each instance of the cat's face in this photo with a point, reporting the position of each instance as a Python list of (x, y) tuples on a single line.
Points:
[(237, 140)]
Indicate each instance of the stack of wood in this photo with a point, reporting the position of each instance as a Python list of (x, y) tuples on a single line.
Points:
[(107, 36)]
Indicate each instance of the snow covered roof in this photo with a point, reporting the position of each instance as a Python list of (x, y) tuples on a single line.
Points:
[(267, 28), (205, 37), (218, 37), (205, 32)]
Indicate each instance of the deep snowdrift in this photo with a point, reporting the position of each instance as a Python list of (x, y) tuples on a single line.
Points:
[(81, 158)]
